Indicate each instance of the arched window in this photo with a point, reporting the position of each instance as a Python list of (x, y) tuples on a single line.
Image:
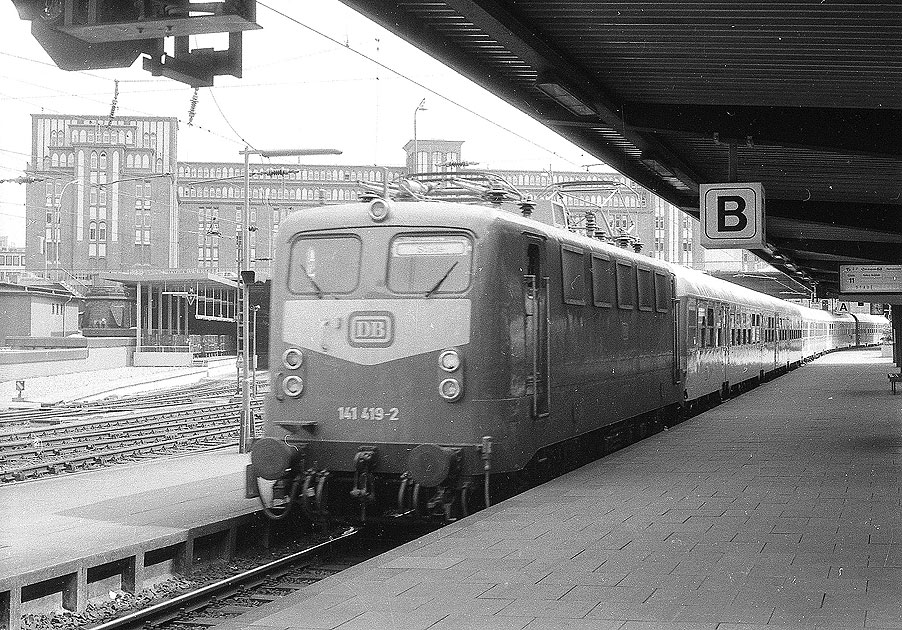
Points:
[(102, 231), (159, 165), (129, 161), (74, 136), (70, 161), (93, 159), (92, 231), (304, 194), (55, 160), (145, 161), (106, 136), (103, 160), (146, 139)]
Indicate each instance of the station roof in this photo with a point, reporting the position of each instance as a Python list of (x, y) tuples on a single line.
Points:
[(174, 279), (803, 97)]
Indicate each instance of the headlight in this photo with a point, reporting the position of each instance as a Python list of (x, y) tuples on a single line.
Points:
[(292, 358), (379, 210), (450, 389), (293, 386), (449, 360)]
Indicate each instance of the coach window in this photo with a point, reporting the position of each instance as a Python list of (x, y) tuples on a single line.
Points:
[(662, 292), (692, 322), (324, 265), (646, 288), (573, 275), (710, 327), (626, 285), (603, 281), (702, 318), (430, 264)]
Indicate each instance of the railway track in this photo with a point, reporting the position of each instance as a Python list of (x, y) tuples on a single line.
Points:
[(67, 439), (222, 601), (60, 412)]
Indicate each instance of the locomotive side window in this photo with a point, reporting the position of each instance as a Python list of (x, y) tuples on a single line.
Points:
[(626, 283), (662, 292), (602, 281), (646, 289), (324, 265), (430, 264), (573, 275)]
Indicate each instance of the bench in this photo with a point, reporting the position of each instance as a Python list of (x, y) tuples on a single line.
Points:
[(894, 379)]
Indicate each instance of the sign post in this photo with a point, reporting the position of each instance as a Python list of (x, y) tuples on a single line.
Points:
[(732, 215)]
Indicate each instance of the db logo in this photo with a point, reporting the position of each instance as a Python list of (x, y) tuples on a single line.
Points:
[(371, 329)]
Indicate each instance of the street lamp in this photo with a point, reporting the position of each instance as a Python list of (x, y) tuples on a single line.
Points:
[(59, 211), (246, 274), (420, 108)]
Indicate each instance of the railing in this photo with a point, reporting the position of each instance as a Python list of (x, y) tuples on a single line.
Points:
[(185, 349)]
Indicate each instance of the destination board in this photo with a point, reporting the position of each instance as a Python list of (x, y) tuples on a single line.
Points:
[(870, 278)]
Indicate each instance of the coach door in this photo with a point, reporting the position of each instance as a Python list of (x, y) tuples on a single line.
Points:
[(536, 304)]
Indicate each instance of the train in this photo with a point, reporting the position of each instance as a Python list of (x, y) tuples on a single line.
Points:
[(429, 357)]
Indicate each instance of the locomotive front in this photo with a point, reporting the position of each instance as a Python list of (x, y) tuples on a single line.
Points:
[(370, 409)]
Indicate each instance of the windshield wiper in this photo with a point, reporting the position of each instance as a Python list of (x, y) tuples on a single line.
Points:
[(319, 292), (442, 279)]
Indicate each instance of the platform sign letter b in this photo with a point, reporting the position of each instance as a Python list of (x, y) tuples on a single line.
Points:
[(732, 215)]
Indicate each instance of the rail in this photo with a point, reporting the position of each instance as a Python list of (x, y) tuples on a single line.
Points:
[(206, 594)]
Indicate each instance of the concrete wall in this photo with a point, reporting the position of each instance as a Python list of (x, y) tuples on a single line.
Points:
[(98, 354), (12, 321), (51, 316)]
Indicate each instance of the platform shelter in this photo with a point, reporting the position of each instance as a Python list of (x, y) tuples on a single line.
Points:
[(181, 316)]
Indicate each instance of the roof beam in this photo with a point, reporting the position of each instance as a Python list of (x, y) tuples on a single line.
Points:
[(879, 253), (865, 131)]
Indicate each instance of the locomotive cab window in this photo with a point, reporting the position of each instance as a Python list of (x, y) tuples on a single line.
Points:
[(430, 264), (573, 275), (626, 285), (324, 265)]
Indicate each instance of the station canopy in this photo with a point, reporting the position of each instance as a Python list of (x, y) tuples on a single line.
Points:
[(802, 97)]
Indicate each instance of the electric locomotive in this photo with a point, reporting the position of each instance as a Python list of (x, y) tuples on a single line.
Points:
[(428, 356)]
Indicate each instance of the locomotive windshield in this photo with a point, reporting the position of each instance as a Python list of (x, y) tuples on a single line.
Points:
[(430, 264), (324, 265)]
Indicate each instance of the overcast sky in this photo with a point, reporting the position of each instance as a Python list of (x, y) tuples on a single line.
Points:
[(299, 90)]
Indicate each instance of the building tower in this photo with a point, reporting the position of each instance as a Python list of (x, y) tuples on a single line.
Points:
[(106, 196)]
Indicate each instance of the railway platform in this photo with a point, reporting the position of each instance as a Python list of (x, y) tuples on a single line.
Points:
[(71, 537), (777, 509)]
